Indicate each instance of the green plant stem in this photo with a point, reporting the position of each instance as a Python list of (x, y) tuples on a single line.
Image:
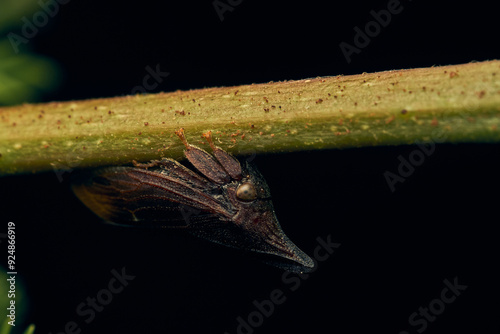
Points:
[(458, 103)]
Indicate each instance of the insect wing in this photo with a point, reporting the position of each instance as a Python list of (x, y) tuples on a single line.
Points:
[(131, 196)]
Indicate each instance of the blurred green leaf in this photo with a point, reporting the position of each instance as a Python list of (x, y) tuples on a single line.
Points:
[(5, 328), (25, 77), (11, 12), (30, 329)]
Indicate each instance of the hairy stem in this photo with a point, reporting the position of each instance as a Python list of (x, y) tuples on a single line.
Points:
[(458, 103)]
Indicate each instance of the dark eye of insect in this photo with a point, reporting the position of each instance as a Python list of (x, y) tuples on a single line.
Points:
[(246, 192)]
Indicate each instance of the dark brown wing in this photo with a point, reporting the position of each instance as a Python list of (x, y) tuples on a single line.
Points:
[(128, 196)]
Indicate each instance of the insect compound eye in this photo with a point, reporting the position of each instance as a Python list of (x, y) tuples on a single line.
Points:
[(246, 192)]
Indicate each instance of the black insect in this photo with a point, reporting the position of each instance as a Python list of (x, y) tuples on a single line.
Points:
[(230, 204)]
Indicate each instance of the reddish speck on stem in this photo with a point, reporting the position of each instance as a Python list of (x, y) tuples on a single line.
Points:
[(390, 119), (481, 94)]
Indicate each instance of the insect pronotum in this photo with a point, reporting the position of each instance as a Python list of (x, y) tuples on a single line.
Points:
[(226, 202)]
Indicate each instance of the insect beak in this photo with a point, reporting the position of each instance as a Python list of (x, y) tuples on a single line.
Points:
[(295, 259), (291, 257)]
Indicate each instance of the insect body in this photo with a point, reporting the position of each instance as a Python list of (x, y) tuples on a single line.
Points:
[(228, 203)]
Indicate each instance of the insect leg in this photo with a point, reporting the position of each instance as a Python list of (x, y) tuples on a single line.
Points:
[(204, 162), (230, 163), (153, 163)]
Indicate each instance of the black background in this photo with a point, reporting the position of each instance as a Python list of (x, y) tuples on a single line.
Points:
[(396, 247)]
